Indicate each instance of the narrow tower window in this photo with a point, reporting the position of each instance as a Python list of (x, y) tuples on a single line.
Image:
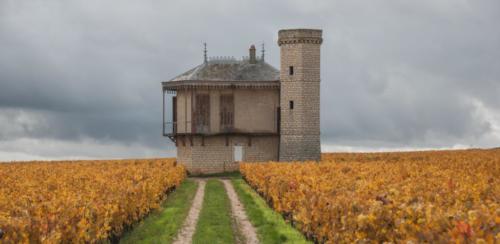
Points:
[(291, 70), (291, 105)]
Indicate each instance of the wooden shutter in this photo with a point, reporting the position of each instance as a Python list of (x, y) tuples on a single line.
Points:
[(278, 120), (226, 112), (202, 113), (174, 114)]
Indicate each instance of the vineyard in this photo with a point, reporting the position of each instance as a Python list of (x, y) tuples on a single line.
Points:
[(80, 201), (440, 196)]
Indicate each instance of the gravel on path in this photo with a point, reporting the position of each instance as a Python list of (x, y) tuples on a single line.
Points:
[(238, 212), (186, 233)]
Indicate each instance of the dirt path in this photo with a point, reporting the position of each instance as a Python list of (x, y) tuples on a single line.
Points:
[(246, 228), (185, 235)]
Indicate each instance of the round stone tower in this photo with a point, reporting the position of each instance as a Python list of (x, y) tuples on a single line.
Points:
[(300, 94)]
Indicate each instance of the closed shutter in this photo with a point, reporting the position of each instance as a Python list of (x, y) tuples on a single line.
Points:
[(226, 113), (202, 113)]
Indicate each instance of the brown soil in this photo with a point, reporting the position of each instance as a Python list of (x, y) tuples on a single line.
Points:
[(185, 235), (238, 212)]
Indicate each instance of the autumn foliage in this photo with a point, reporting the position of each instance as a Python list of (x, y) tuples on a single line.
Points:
[(432, 197), (80, 201)]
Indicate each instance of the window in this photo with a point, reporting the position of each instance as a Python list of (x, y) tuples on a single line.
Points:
[(291, 105), (226, 112), (202, 113), (290, 70)]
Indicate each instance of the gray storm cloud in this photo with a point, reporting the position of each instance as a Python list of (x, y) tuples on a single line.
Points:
[(85, 75)]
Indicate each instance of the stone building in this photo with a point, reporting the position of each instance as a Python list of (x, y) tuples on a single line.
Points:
[(224, 110)]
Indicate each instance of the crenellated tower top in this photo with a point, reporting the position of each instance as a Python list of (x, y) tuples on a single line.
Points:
[(294, 36)]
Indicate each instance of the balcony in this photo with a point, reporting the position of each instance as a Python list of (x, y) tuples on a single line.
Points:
[(169, 129), (174, 129)]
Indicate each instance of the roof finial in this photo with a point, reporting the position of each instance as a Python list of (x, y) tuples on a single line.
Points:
[(252, 59), (263, 51), (205, 60)]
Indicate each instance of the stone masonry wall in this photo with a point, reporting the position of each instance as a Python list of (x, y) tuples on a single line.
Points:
[(300, 126), (215, 157)]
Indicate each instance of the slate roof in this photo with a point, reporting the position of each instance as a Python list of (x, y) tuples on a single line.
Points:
[(230, 70)]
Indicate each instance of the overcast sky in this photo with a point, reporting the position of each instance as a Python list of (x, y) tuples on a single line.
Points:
[(81, 79)]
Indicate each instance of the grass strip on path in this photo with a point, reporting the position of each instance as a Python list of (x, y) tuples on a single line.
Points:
[(270, 225), (162, 225), (215, 224)]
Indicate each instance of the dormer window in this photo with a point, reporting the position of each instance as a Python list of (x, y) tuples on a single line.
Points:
[(290, 70)]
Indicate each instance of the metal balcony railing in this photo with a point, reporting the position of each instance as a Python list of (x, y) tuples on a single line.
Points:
[(176, 128), (169, 128), (185, 128)]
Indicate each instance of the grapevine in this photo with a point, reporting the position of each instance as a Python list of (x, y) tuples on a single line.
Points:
[(433, 197), (80, 201)]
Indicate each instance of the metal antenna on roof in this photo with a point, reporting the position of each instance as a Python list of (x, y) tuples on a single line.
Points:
[(205, 60), (263, 51)]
